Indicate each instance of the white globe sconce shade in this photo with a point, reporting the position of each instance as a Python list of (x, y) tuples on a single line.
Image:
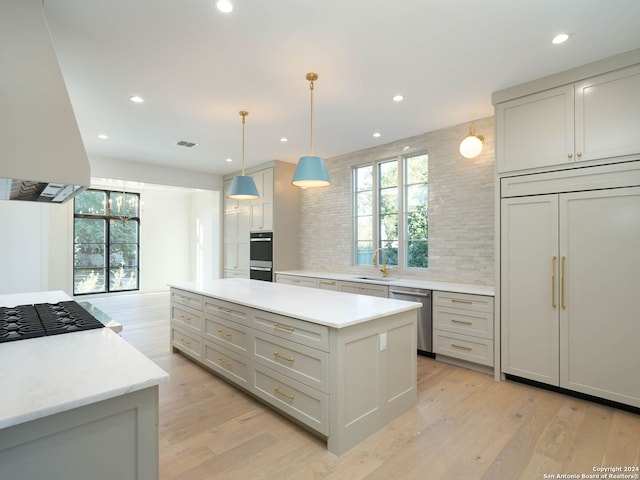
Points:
[(471, 146)]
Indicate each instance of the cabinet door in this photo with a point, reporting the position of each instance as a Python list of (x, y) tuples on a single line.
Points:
[(608, 115), (600, 308), (535, 131), (529, 288)]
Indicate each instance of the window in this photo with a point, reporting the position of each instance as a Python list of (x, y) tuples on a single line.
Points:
[(106, 245), (390, 204)]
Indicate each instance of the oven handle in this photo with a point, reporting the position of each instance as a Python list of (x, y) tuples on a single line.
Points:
[(260, 240), (261, 269)]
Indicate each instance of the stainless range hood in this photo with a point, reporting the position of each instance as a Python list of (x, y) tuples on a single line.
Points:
[(42, 157)]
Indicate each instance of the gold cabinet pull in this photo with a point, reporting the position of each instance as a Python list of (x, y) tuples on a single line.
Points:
[(284, 328), (282, 394), (185, 318), (553, 282), (222, 309), (462, 322), (564, 305), (282, 357), (570, 155), (186, 299), (326, 282), (456, 300), (223, 362), (462, 347), (222, 333), (184, 342), (579, 154)]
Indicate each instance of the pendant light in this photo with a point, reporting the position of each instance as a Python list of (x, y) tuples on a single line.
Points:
[(242, 186), (471, 146), (311, 171)]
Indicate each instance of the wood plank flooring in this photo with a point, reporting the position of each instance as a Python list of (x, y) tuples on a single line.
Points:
[(465, 426)]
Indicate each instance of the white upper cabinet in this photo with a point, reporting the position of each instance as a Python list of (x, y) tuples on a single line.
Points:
[(598, 118), (262, 208)]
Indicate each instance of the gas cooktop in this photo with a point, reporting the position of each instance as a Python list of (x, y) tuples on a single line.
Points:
[(44, 319)]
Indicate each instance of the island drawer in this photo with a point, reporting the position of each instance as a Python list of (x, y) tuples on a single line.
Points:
[(306, 333), (296, 280), (304, 364), (187, 299), (227, 310), (231, 335), (466, 322), (228, 364), (187, 318), (464, 347), (478, 303), (301, 402), (187, 343)]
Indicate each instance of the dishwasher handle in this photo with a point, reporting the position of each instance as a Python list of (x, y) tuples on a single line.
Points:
[(410, 294)]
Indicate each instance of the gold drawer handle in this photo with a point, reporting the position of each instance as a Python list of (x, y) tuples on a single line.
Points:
[(461, 322), (224, 363), (281, 357), (222, 309), (467, 302), (327, 283), (186, 299), (454, 345), (222, 333), (183, 341), (285, 328), (282, 394), (185, 318)]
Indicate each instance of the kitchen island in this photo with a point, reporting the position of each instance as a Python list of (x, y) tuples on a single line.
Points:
[(76, 405), (339, 364)]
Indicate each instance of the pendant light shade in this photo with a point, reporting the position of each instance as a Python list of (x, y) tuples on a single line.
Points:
[(242, 186), (311, 171), (471, 146)]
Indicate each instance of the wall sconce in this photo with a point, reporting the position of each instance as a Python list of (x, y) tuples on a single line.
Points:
[(471, 146)]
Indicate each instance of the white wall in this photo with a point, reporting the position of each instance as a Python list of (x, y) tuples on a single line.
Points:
[(36, 240)]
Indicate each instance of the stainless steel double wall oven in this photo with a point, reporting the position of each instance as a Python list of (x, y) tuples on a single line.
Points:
[(261, 256)]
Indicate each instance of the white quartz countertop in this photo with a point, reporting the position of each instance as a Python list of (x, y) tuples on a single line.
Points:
[(398, 282), (324, 307), (47, 375)]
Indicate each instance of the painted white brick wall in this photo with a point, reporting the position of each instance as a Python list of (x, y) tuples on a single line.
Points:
[(461, 209)]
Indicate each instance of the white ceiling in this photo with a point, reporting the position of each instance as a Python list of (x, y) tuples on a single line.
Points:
[(196, 68)]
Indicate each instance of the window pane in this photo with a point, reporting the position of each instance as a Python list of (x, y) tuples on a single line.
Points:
[(89, 230), (123, 233), (122, 278), (418, 255), (90, 202), (364, 254), (365, 229), (388, 172), (88, 281), (124, 205), (417, 196), (391, 251), (417, 169), (364, 202), (364, 178)]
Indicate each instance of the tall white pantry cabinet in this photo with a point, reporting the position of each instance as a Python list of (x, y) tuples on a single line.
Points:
[(568, 248)]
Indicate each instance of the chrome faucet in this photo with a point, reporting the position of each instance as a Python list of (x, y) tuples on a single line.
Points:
[(384, 260)]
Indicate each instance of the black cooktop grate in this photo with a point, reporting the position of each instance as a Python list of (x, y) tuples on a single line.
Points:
[(32, 321)]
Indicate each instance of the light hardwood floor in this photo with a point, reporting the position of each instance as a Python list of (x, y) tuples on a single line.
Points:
[(465, 426)]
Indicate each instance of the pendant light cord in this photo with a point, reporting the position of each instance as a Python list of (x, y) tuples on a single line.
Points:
[(311, 88), (244, 116)]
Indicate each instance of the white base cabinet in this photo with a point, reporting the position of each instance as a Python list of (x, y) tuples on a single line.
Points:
[(337, 382), (570, 303)]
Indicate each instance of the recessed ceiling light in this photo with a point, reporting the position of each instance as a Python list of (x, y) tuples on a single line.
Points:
[(398, 98), (102, 136), (225, 6), (284, 139), (229, 160), (136, 99), (560, 38), (377, 135)]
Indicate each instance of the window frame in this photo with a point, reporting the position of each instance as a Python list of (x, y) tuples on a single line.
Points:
[(107, 218), (403, 246)]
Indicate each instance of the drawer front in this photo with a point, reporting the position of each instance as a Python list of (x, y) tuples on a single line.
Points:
[(306, 333), (231, 335), (187, 343), (228, 364), (296, 280), (326, 284), (303, 403), (304, 364), (226, 310), (187, 299), (478, 303), (365, 289), (186, 318), (472, 349), (465, 322)]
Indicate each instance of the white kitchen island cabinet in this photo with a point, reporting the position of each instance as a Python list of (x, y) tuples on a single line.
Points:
[(81, 405), (339, 364)]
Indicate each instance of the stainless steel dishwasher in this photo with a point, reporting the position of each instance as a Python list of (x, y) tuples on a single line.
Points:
[(425, 332)]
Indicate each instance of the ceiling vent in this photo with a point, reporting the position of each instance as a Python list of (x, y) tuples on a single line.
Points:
[(184, 143)]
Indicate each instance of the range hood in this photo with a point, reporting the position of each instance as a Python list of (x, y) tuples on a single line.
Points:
[(42, 157)]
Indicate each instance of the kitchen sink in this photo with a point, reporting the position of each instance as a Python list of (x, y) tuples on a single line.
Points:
[(376, 279)]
